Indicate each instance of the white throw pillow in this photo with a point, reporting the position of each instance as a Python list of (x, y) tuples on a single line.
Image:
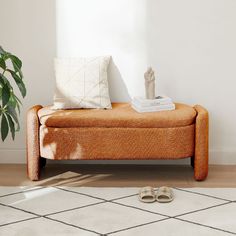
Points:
[(82, 83)]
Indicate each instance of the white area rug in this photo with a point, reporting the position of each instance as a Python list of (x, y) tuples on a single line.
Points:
[(83, 211)]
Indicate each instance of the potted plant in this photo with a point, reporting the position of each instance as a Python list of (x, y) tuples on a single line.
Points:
[(10, 71)]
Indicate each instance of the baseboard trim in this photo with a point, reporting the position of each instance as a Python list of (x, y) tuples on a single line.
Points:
[(12, 156), (217, 157), (225, 157)]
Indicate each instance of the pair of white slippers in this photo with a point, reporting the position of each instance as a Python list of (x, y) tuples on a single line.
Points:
[(163, 194)]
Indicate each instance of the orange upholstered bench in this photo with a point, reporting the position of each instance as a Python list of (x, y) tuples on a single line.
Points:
[(117, 134)]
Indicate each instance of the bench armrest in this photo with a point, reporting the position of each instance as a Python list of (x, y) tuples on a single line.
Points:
[(32, 142), (201, 143)]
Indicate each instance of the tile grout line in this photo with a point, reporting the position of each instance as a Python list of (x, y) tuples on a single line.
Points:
[(19, 221), (102, 201), (152, 212), (175, 217), (16, 208), (39, 216), (157, 221), (137, 226), (119, 198), (203, 209), (72, 209), (23, 191), (117, 203), (205, 195), (61, 188), (112, 201), (71, 191), (53, 213), (167, 217), (107, 201), (207, 226), (84, 194), (47, 218), (75, 226)]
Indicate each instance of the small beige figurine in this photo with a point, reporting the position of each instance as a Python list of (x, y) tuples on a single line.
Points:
[(150, 83)]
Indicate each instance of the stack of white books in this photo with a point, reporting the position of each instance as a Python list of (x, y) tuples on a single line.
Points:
[(160, 103)]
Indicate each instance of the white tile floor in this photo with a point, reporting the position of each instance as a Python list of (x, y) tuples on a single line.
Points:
[(41, 226), (184, 202), (115, 211), (47, 200)]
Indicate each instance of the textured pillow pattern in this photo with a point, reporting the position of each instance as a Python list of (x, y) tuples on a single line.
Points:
[(81, 83)]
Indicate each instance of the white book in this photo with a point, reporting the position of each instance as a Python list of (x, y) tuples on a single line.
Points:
[(137, 104), (160, 100), (168, 107)]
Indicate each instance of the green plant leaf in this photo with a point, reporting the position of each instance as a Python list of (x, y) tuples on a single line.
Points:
[(18, 108), (18, 103), (12, 101), (2, 51), (12, 112), (2, 63), (2, 82), (5, 94), (19, 82), (12, 126), (17, 64), (9, 102), (3, 79), (4, 127)]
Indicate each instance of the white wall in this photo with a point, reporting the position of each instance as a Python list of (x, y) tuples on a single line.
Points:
[(28, 29), (191, 43)]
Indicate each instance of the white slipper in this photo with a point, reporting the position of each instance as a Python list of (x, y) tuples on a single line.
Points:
[(164, 194), (147, 194)]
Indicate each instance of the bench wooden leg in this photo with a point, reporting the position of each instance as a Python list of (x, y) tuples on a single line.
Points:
[(33, 152), (201, 144), (192, 161), (43, 162)]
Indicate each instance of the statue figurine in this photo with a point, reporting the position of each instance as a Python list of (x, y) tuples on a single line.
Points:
[(150, 83)]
